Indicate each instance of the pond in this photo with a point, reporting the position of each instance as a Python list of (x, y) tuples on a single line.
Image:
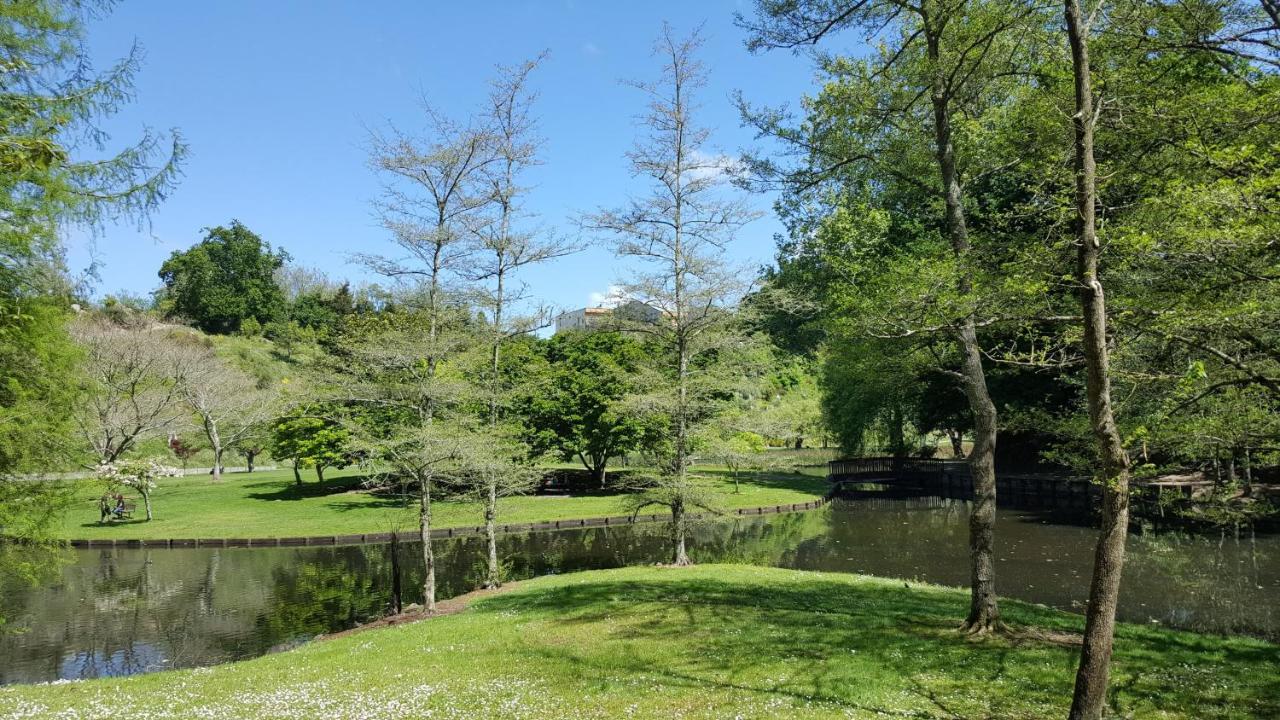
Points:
[(124, 611)]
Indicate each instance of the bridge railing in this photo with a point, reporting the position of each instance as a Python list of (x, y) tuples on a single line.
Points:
[(898, 468)]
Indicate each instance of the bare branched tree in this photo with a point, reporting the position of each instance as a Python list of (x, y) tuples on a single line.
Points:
[(679, 232), (502, 246), (130, 393), (228, 404)]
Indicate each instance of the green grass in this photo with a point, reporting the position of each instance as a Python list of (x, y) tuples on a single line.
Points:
[(719, 641), (269, 504)]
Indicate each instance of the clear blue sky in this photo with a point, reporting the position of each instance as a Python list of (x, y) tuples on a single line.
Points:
[(274, 98)]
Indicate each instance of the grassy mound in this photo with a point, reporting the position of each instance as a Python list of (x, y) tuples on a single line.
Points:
[(717, 641)]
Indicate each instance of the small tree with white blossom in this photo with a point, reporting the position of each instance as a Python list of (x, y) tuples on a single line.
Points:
[(139, 475)]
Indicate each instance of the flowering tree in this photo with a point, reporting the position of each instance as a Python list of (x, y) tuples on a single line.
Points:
[(139, 475)]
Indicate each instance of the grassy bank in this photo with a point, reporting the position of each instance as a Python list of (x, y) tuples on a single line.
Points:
[(270, 504), (712, 641)]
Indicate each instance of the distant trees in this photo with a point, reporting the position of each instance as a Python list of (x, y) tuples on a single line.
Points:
[(679, 232), (223, 281), (580, 410)]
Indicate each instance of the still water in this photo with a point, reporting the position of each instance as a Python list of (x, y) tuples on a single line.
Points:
[(124, 611)]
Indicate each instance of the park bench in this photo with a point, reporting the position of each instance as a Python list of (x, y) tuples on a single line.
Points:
[(108, 513)]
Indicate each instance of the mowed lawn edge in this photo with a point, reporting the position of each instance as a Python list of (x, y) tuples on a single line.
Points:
[(700, 642), (271, 505)]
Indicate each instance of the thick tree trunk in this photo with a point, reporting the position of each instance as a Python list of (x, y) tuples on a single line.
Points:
[(1089, 699), (984, 612), (297, 476), (320, 472), (599, 472), (493, 577), (248, 461), (217, 463), (428, 556)]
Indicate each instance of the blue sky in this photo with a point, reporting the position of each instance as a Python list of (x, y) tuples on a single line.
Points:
[(274, 99)]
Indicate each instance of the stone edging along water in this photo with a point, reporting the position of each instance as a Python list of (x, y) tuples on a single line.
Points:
[(469, 531)]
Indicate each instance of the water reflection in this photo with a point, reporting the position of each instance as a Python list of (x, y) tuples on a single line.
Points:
[(125, 611)]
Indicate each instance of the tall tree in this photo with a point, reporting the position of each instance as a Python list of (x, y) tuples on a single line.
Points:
[(226, 279), (1089, 698), (52, 108), (940, 59), (431, 191), (679, 233), (505, 245)]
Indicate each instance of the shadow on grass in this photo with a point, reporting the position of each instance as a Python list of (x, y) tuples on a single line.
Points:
[(114, 523), (772, 480), (308, 489), (875, 648)]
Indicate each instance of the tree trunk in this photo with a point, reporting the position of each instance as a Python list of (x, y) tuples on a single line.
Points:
[(248, 461), (146, 502), (397, 604), (217, 463), (957, 443), (493, 578), (679, 555), (319, 472), (984, 612), (424, 534), (599, 470), (297, 476), (1089, 698)]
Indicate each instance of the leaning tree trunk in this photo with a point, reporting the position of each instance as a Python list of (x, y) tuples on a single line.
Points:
[(297, 476), (1089, 699), (428, 556), (984, 609), (984, 612), (146, 502), (493, 578), (319, 472)]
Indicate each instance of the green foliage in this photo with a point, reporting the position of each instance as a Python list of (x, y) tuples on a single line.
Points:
[(578, 412), (224, 281), (311, 441), (50, 104)]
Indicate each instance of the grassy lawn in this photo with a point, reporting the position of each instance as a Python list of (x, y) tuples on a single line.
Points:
[(269, 504), (719, 641)]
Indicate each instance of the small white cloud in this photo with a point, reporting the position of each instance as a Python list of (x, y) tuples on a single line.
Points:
[(591, 49), (704, 165), (613, 296)]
